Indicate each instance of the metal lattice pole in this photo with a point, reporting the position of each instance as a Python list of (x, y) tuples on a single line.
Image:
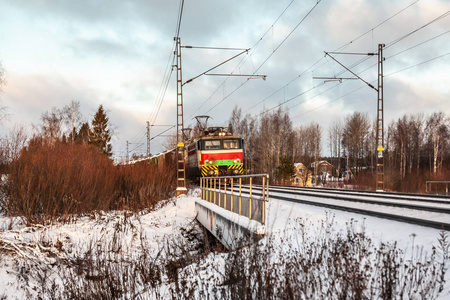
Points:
[(380, 123), (180, 159)]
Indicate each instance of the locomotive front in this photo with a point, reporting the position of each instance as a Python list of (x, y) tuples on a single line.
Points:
[(216, 153)]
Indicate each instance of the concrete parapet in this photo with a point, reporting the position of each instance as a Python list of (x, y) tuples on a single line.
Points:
[(231, 229)]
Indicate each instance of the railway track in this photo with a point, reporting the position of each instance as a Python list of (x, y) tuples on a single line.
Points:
[(424, 210)]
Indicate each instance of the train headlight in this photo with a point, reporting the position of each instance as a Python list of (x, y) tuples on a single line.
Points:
[(235, 161), (210, 162)]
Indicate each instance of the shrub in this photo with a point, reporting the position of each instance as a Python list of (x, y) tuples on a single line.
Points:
[(51, 181), (144, 185), (58, 181)]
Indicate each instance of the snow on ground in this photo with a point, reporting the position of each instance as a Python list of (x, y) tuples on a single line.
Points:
[(35, 243), (169, 222), (282, 215)]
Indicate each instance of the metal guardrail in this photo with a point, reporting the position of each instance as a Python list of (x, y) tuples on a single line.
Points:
[(226, 192), (437, 187)]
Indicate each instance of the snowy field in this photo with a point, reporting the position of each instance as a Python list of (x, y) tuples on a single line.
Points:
[(27, 254)]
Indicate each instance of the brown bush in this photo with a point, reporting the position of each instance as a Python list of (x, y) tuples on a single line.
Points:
[(59, 181), (144, 185)]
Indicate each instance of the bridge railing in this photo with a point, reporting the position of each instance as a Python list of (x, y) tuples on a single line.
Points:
[(236, 194), (438, 187)]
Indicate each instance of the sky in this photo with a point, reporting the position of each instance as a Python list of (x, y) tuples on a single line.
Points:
[(119, 54)]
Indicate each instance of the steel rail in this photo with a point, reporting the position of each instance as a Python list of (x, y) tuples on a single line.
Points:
[(392, 216), (390, 195)]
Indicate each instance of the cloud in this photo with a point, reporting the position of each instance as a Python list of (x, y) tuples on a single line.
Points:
[(116, 53)]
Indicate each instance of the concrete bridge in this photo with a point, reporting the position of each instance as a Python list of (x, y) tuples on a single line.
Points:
[(231, 214)]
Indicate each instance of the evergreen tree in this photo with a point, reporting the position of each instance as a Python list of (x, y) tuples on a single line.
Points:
[(82, 137), (286, 170), (99, 134)]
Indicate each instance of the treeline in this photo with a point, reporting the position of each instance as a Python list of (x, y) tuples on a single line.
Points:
[(417, 147), (64, 170)]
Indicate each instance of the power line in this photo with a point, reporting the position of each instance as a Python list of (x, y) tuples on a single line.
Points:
[(273, 52), (362, 86), (339, 48), (243, 59), (416, 65), (168, 73), (180, 17), (370, 30), (398, 40), (162, 132), (325, 104), (412, 47), (446, 14), (391, 44)]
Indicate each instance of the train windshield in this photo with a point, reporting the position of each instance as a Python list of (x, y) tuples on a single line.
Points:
[(220, 144), (211, 145), (231, 144)]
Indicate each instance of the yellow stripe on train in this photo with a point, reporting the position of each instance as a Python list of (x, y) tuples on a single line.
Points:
[(205, 170), (236, 167)]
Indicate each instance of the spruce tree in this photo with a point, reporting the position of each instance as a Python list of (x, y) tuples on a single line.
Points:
[(99, 134), (286, 170), (82, 137)]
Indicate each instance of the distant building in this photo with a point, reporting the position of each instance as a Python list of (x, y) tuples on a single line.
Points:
[(302, 175), (324, 167)]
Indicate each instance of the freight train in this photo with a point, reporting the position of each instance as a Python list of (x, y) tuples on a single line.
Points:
[(216, 152)]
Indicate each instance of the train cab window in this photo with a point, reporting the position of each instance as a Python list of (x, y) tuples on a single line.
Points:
[(212, 145), (231, 144)]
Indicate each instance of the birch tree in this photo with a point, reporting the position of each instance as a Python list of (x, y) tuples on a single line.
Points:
[(335, 138), (437, 133), (355, 137)]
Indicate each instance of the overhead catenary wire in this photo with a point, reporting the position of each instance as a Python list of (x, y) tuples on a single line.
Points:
[(270, 55), (169, 70), (420, 44), (444, 15), (253, 48), (390, 44), (371, 30), (416, 65), (164, 82), (362, 86), (337, 49)]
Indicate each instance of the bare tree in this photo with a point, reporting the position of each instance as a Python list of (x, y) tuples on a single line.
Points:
[(309, 144), (438, 133), (3, 113), (234, 123), (355, 138), (2, 76), (407, 140), (248, 130), (72, 117), (335, 138), (417, 135), (51, 127), (273, 141), (316, 134), (13, 143)]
